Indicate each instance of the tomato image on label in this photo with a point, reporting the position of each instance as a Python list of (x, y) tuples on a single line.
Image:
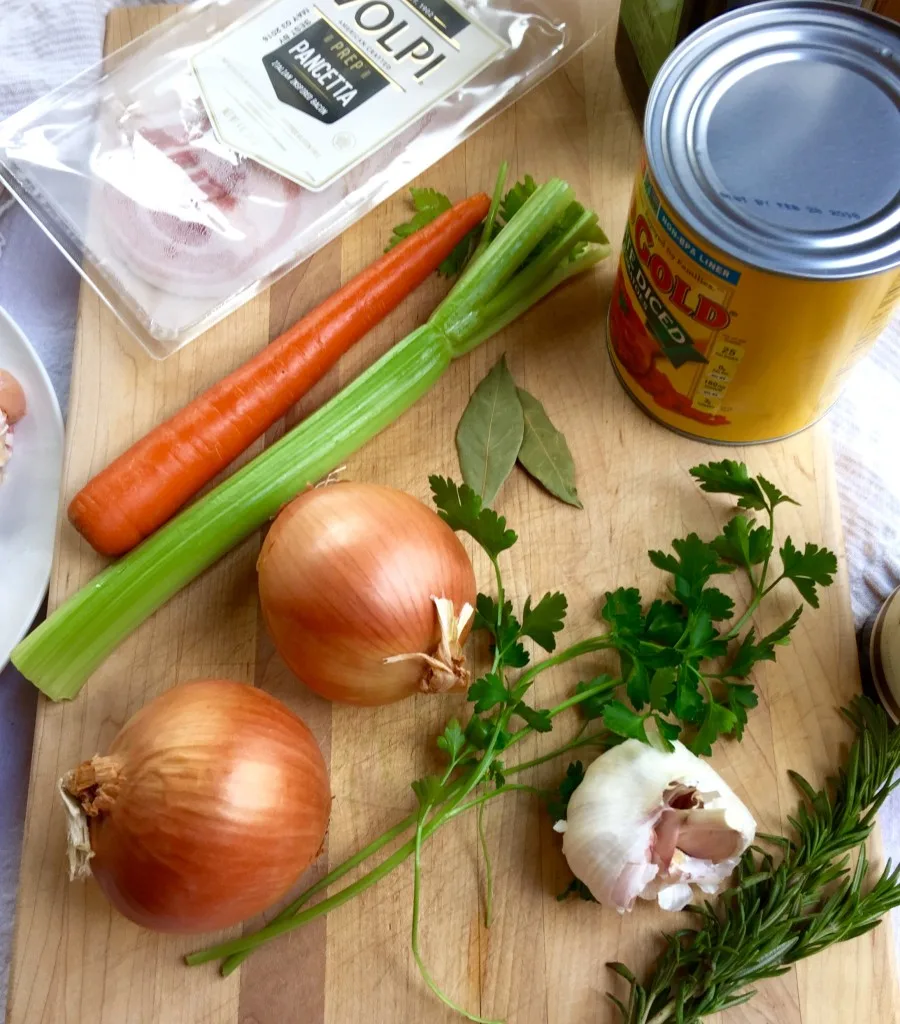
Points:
[(640, 343)]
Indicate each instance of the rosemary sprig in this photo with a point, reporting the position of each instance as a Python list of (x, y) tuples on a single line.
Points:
[(788, 902)]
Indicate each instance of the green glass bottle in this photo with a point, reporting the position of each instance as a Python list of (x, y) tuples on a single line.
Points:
[(650, 29)]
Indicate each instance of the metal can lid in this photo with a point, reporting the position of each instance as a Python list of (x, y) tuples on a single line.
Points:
[(774, 132)]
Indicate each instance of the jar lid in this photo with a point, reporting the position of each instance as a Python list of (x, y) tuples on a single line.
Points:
[(880, 655), (774, 132)]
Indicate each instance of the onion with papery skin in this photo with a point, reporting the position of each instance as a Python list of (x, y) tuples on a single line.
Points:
[(367, 594), (210, 803)]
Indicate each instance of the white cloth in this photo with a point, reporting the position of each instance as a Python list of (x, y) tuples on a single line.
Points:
[(865, 426), (45, 42)]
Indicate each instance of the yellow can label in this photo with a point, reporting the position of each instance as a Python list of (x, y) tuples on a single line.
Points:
[(720, 350)]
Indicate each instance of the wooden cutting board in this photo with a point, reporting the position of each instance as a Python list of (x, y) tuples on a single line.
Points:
[(76, 962)]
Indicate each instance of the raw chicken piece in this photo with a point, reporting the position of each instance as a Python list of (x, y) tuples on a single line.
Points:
[(12, 409), (12, 397)]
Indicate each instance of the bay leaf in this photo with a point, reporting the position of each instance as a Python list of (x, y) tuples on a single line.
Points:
[(545, 453), (490, 433)]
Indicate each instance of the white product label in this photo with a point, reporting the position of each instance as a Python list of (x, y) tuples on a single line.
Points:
[(310, 89)]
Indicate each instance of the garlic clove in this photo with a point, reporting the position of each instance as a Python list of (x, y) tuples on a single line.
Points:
[(707, 834), (631, 883), (675, 897)]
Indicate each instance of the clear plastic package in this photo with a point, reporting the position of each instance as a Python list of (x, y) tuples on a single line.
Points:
[(194, 167)]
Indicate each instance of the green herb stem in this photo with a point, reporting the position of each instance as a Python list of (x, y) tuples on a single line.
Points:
[(760, 590), (414, 940), (247, 943), (233, 962), (597, 643), (488, 870), (594, 740)]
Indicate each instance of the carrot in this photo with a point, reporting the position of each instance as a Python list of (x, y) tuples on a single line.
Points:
[(145, 486)]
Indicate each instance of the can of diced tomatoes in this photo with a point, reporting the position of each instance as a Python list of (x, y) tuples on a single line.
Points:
[(762, 253)]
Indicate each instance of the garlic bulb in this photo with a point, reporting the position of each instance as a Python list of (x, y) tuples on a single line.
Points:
[(651, 824)]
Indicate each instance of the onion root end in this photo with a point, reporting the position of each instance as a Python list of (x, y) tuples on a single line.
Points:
[(445, 670)]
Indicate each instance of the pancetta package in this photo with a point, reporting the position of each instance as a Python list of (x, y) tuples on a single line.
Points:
[(195, 166)]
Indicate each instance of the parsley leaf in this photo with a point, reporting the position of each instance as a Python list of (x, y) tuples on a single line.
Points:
[(514, 656), (741, 697), (504, 630), (461, 509), (545, 619), (743, 543), (487, 692), (452, 740), (697, 561), (556, 807), (730, 477), (487, 614), (717, 605), (664, 623), (775, 496), (621, 720), (668, 732), (780, 635), (637, 680), (704, 638), (516, 197), (661, 685), (622, 610), (593, 707), (479, 732), (750, 651), (805, 569), (717, 721), (540, 720), (457, 261), (688, 704), (429, 204), (428, 790)]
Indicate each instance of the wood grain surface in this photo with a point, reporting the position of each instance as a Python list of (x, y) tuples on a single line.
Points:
[(77, 962)]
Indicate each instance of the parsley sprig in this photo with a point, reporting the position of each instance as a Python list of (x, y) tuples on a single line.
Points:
[(665, 651), (791, 897)]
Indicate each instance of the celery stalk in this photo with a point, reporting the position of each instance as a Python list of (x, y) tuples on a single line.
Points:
[(60, 654), (63, 651)]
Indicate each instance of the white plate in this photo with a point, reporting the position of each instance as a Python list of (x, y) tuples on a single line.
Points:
[(29, 493)]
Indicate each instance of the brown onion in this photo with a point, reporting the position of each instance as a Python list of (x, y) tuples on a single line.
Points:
[(367, 594), (211, 802)]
